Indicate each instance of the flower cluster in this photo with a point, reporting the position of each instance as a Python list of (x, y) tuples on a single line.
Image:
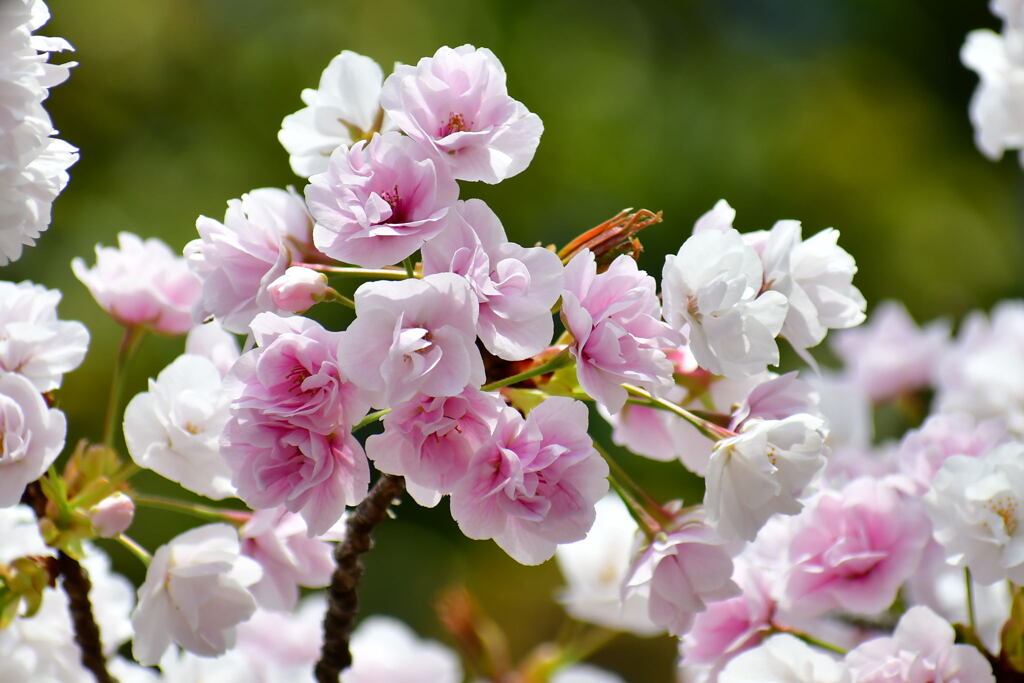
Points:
[(478, 357)]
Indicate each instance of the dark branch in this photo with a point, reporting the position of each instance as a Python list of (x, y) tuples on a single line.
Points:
[(76, 584), (342, 601)]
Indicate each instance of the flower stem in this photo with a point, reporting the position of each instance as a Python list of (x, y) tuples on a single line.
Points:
[(133, 546), (371, 418), (651, 508), (342, 599), (203, 512), (706, 427), (807, 638), (410, 269), (75, 582), (349, 271), (969, 586), (561, 360), (129, 344)]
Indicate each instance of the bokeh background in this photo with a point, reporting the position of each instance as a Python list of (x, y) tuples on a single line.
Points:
[(843, 113)]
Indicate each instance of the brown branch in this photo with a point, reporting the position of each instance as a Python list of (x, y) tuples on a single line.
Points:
[(342, 601), (75, 581)]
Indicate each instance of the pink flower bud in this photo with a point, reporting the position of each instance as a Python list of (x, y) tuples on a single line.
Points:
[(298, 289), (113, 515)]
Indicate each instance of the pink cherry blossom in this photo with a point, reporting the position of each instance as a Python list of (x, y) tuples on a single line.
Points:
[(923, 450), (535, 483), (379, 201), (195, 594), (680, 572), (728, 627), (278, 540), (294, 376), (853, 549), (33, 342), (618, 335), (298, 289), (413, 337), (457, 104), (921, 650), (142, 283), (891, 355), (384, 650), (262, 233), (515, 286), (431, 439), (211, 341), (31, 436), (275, 463)]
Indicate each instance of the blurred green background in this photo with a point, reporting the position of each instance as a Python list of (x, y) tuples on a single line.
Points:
[(850, 114)]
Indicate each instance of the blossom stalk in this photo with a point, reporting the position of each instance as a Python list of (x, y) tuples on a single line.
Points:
[(129, 345)]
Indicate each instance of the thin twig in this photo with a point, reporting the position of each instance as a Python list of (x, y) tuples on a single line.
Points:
[(342, 601)]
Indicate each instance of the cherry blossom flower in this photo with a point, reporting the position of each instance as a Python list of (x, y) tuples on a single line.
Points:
[(762, 471), (852, 549), (595, 568), (815, 275), (890, 355), (174, 428), (212, 341), (983, 373), (431, 439), (731, 626), (413, 337), (784, 659), (142, 283), (584, 673), (344, 109), (535, 483), (33, 163), (195, 594), (262, 233), (294, 376), (298, 289), (31, 436), (923, 450), (974, 505), (997, 107), (713, 285), (515, 286), (680, 572), (379, 201), (921, 650), (33, 342), (275, 463), (384, 650), (457, 104), (278, 540), (617, 333)]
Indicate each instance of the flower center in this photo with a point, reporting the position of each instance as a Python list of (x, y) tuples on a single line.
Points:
[(1005, 506), (456, 124), (296, 376), (394, 200)]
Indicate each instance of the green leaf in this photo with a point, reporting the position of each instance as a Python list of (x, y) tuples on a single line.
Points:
[(1012, 638)]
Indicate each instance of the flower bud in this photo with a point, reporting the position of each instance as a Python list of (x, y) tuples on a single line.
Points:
[(113, 515), (298, 289)]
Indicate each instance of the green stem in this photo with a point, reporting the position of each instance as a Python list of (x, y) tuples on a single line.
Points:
[(203, 512), (129, 344), (351, 271), (334, 296), (969, 585), (560, 361), (809, 639), (410, 269), (135, 549), (371, 418), (643, 499), (636, 510), (705, 427)]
